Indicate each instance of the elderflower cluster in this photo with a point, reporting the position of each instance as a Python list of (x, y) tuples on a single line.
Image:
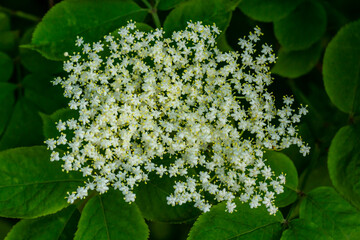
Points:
[(178, 107)]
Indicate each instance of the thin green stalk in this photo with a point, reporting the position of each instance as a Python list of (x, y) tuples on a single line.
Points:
[(155, 17), (20, 14), (147, 3), (153, 12), (156, 3)]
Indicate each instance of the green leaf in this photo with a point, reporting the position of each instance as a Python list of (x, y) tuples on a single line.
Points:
[(42, 93), (7, 100), (108, 217), (43, 228), (223, 44), (329, 211), (151, 200), (71, 226), (5, 227), (341, 71), (4, 22), (280, 163), (24, 128), (268, 11), (49, 121), (245, 223), (343, 163), (34, 61), (8, 41), (6, 67), (316, 176), (31, 185), (300, 229), (207, 11), (293, 64), (302, 27), (91, 19), (168, 4)]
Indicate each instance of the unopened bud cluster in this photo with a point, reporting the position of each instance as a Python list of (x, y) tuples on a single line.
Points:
[(178, 107)]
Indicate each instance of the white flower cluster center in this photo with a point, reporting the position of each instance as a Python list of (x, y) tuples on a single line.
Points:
[(178, 107)]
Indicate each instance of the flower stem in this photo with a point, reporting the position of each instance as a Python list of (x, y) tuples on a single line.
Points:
[(20, 14), (147, 3), (153, 12), (155, 17)]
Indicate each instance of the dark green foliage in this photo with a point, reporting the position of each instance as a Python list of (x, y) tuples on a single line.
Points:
[(293, 64), (24, 126), (301, 229), (331, 213), (245, 223), (151, 199), (48, 227), (268, 11), (302, 27), (168, 4), (318, 62), (6, 67), (344, 163), (7, 100), (39, 90), (8, 41), (281, 164), (109, 217), (341, 69), (31, 185), (207, 11), (4, 22), (34, 61), (91, 19)]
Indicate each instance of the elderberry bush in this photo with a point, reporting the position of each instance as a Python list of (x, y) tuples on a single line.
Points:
[(162, 119)]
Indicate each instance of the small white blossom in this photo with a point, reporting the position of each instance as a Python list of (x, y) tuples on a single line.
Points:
[(71, 198), (55, 156), (303, 110), (81, 192), (61, 126), (51, 143), (79, 41)]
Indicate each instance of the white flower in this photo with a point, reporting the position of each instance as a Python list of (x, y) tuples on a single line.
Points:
[(282, 179), (230, 206), (168, 105), (305, 150), (303, 110), (130, 197), (51, 143), (171, 200), (272, 209), (255, 201), (98, 47), (288, 100), (61, 126), (71, 198), (54, 156), (86, 171), (81, 192), (79, 41)]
